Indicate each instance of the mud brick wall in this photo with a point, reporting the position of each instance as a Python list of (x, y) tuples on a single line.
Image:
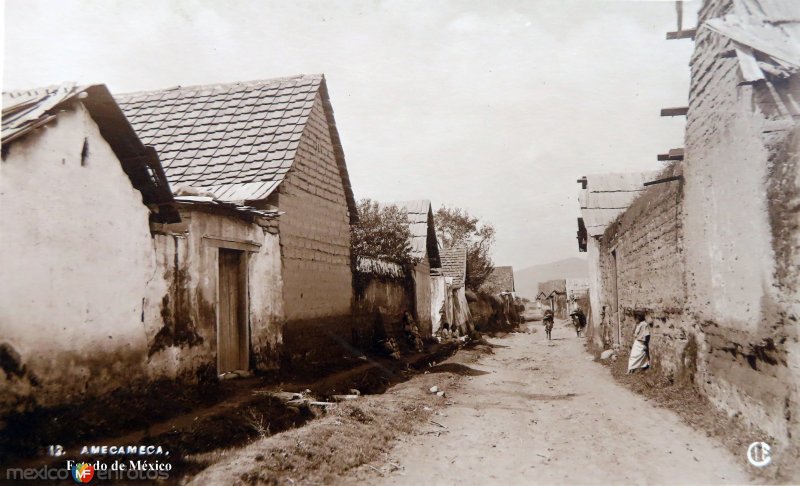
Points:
[(315, 245), (315, 230), (714, 258), (649, 272), (741, 235), (382, 301)]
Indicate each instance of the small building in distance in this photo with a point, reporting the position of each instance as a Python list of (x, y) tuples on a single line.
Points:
[(426, 259), (501, 280), (578, 294), (553, 295)]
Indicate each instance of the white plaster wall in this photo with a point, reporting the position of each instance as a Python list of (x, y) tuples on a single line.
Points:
[(595, 290), (76, 259), (422, 290), (266, 300), (461, 313), (193, 276), (729, 256), (438, 298)]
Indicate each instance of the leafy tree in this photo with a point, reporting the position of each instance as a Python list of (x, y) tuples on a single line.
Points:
[(382, 232), (458, 227)]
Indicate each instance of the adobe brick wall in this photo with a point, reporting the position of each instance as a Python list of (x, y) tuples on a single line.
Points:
[(714, 259), (741, 236), (315, 229), (315, 248), (650, 274), (382, 301)]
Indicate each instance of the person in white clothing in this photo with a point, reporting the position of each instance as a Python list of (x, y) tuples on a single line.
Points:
[(640, 351)]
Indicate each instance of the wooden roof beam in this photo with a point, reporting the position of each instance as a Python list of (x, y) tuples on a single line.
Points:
[(673, 154), (682, 34), (678, 111)]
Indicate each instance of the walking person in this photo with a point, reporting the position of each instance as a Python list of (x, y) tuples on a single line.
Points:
[(578, 320), (640, 351), (548, 322)]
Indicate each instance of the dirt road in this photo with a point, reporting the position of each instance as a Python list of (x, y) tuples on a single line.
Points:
[(545, 412)]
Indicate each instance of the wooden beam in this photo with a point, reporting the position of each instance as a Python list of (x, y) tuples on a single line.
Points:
[(676, 154), (673, 154), (682, 34), (666, 179), (678, 111)]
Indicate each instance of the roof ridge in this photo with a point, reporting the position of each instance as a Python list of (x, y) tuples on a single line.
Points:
[(252, 82)]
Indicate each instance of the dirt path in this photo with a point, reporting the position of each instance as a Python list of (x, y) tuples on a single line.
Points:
[(545, 412)]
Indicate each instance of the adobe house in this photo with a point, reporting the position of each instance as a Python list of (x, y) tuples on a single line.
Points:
[(270, 145), (219, 296), (501, 280), (78, 193), (426, 259), (553, 294), (115, 282)]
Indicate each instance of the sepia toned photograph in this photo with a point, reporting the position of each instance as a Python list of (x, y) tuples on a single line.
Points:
[(400, 242)]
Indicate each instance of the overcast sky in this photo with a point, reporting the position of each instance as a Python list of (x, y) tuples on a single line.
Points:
[(496, 107)]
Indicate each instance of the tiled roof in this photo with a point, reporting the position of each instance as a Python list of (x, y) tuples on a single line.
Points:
[(423, 234), (500, 280), (454, 264), (236, 140), (558, 286), (607, 195)]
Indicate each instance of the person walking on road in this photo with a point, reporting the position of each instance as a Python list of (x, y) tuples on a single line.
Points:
[(578, 320), (548, 322)]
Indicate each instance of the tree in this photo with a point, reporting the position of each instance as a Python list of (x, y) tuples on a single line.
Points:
[(382, 232), (458, 227)]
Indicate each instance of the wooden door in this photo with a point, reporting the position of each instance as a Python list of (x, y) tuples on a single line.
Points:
[(232, 338)]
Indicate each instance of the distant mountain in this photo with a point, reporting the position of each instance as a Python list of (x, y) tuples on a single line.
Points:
[(526, 281)]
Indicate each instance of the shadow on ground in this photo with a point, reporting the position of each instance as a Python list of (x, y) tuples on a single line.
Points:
[(457, 369)]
